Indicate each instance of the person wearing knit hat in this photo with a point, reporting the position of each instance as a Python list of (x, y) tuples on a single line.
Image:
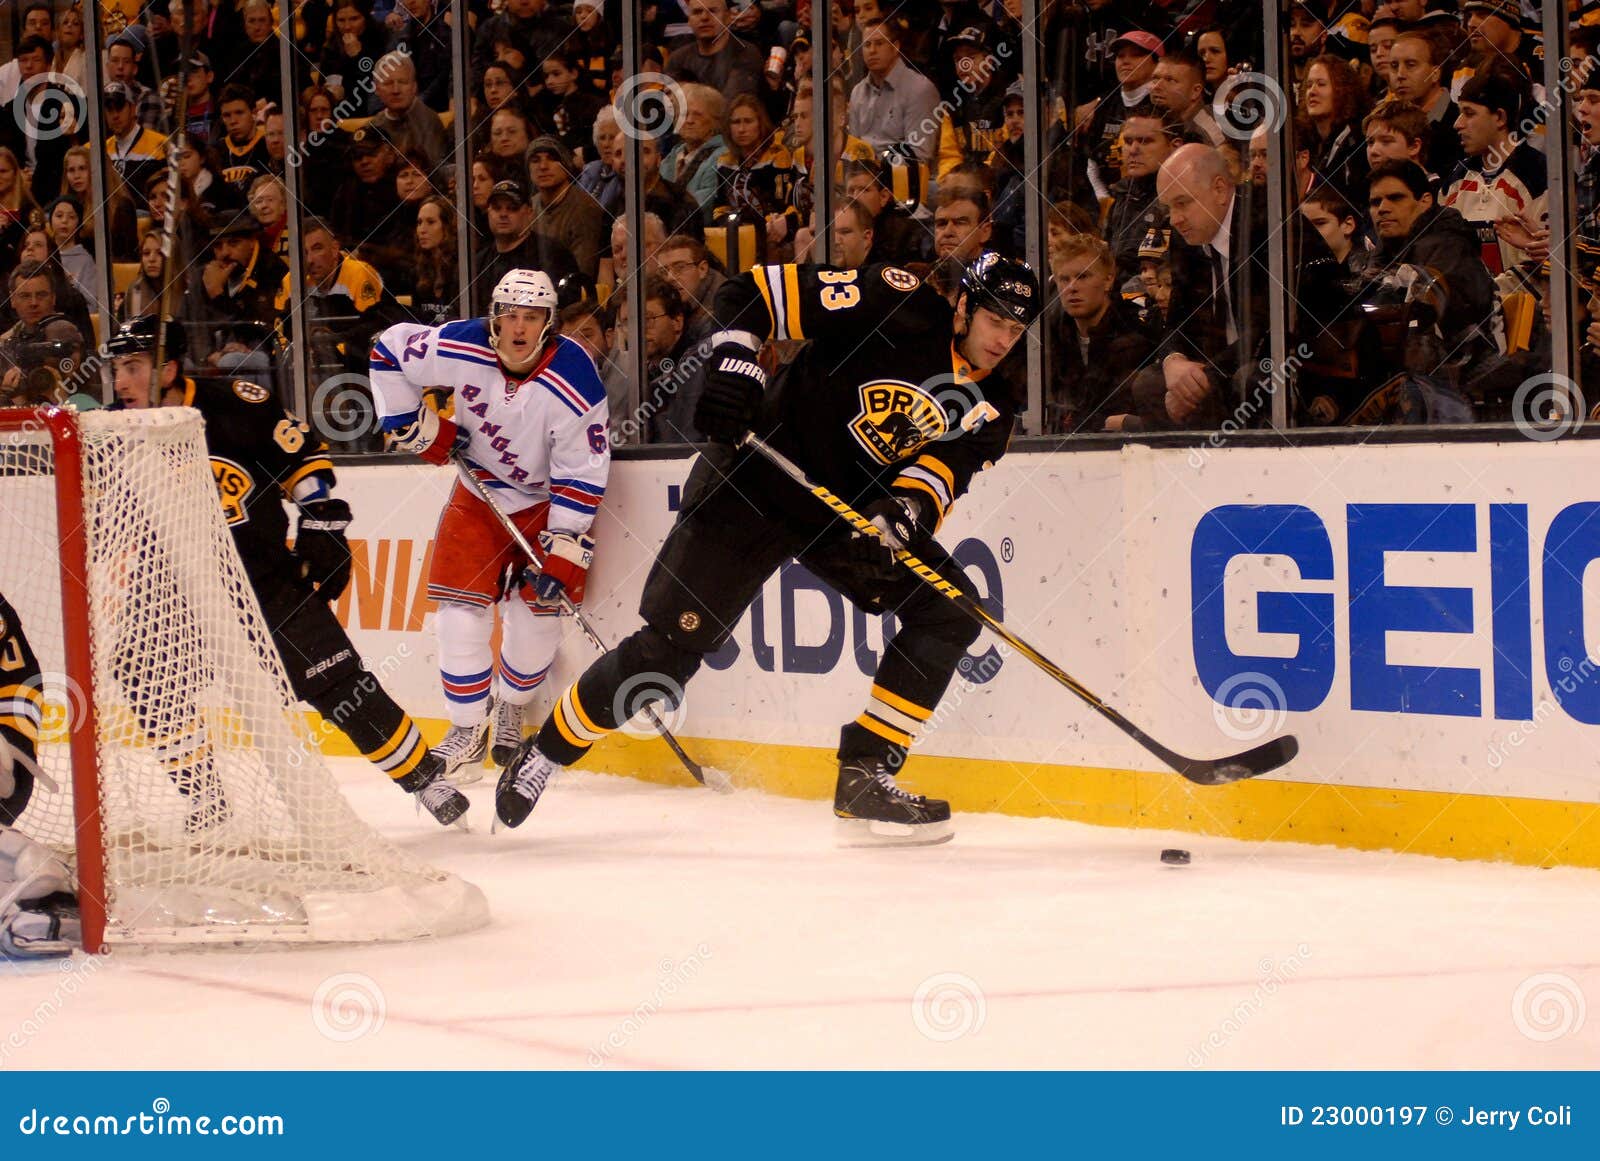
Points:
[(1496, 38), (1500, 186)]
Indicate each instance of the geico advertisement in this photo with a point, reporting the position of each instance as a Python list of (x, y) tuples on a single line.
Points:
[(1425, 612)]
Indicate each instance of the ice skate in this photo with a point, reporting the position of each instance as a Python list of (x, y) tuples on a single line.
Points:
[(434, 792), (463, 750), (506, 733), (521, 783), (873, 811)]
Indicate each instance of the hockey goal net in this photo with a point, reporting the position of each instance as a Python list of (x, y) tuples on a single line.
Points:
[(190, 795)]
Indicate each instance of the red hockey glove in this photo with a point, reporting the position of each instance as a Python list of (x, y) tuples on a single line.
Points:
[(567, 557)]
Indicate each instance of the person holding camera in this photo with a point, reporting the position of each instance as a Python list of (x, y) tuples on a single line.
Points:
[(42, 352)]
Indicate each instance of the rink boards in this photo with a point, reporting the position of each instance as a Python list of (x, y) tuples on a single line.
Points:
[(1421, 616)]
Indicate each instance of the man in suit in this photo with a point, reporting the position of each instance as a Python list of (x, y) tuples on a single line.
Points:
[(1217, 319)]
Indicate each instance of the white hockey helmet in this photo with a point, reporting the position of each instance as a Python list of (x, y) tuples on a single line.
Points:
[(523, 288)]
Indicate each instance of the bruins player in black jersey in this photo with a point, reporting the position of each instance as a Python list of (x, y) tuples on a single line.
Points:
[(38, 914), (895, 407), (261, 457)]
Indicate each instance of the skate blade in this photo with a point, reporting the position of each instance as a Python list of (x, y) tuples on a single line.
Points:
[(866, 832), (467, 773)]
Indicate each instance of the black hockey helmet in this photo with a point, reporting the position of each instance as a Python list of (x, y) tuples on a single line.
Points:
[(572, 289), (1007, 286), (138, 335)]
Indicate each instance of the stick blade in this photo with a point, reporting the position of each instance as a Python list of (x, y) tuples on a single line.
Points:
[(1264, 758)]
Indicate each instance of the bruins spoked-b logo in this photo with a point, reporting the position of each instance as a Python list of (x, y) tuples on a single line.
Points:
[(896, 418)]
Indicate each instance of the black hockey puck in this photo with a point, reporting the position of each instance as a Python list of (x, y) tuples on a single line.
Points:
[(1174, 857)]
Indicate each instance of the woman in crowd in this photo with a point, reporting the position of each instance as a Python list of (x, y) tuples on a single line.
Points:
[(1333, 103), (357, 44), (16, 204), (119, 209), (69, 45), (65, 219), (755, 175), (143, 295), (437, 282), (324, 150), (269, 206)]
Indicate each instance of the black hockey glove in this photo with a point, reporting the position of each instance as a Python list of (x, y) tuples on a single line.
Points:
[(321, 548), (732, 397), (898, 520)]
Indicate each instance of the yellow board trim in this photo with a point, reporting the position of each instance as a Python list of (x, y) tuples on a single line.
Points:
[(1490, 828), (910, 708)]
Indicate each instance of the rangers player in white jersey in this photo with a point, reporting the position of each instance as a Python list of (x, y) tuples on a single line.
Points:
[(530, 421)]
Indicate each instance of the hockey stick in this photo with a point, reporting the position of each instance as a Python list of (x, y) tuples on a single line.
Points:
[(169, 223), (717, 781), (1203, 771)]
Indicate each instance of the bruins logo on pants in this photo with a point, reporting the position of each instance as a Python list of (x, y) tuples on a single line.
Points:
[(233, 485), (897, 418)]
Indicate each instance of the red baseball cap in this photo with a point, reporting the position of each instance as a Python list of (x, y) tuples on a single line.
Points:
[(1149, 41)]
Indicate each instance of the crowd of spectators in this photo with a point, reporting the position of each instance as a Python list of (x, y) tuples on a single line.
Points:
[(1415, 258)]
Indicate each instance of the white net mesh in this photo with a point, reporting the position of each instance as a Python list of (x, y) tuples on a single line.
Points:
[(220, 821)]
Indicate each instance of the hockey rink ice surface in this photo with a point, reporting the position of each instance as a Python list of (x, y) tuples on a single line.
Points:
[(641, 926)]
